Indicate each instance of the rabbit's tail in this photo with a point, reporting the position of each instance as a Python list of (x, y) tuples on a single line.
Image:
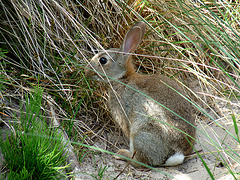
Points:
[(175, 159)]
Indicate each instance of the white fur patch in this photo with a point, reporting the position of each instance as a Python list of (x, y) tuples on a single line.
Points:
[(182, 177), (175, 159)]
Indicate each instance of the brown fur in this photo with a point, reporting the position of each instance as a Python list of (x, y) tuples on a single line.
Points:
[(150, 127)]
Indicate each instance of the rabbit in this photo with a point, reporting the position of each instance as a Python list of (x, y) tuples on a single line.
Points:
[(154, 132)]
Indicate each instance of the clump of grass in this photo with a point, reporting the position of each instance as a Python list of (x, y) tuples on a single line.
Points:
[(32, 150)]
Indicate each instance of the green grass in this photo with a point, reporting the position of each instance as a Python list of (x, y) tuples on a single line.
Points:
[(33, 150), (49, 43)]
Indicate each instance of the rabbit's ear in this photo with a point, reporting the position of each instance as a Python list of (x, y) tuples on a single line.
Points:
[(134, 37)]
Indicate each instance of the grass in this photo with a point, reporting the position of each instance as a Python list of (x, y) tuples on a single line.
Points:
[(31, 150), (49, 43)]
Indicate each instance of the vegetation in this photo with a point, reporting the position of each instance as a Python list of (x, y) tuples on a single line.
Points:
[(33, 150), (49, 43)]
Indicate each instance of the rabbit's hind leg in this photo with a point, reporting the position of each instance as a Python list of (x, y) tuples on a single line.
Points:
[(154, 150)]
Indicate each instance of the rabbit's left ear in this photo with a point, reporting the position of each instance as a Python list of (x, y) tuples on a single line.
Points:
[(133, 37)]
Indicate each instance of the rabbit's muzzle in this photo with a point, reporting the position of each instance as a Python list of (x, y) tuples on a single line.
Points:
[(89, 73)]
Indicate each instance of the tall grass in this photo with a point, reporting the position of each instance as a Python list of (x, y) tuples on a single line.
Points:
[(196, 42)]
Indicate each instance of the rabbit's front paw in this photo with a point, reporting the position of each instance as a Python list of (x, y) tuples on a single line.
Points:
[(126, 153), (123, 152)]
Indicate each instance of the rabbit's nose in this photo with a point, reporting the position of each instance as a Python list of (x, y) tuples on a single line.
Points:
[(89, 72)]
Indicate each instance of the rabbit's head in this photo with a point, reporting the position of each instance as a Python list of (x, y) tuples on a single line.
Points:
[(115, 63)]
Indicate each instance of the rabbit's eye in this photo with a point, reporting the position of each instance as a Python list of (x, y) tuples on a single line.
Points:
[(103, 60)]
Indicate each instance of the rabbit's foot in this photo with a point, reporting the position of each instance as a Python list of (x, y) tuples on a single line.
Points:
[(123, 152), (126, 153)]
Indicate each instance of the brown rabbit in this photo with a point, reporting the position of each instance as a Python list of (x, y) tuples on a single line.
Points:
[(154, 131)]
